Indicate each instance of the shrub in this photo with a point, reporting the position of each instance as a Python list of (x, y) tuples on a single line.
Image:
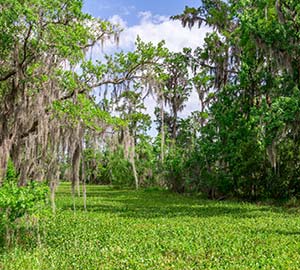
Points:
[(19, 201)]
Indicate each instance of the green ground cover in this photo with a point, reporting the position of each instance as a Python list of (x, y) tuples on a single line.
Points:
[(151, 229)]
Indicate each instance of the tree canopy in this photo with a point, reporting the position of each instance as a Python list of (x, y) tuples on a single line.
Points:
[(66, 116)]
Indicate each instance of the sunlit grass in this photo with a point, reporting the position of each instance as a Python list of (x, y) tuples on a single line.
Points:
[(152, 229)]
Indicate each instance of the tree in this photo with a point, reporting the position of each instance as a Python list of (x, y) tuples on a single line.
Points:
[(250, 56), (177, 86), (41, 43)]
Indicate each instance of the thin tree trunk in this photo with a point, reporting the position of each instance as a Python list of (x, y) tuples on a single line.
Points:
[(162, 146), (135, 173), (4, 156), (75, 170), (75, 173), (52, 195), (174, 131), (132, 161), (83, 182)]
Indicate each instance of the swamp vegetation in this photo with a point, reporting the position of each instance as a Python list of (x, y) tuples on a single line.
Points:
[(65, 116), (158, 229)]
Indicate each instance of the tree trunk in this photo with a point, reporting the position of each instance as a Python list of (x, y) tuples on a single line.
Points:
[(174, 131), (162, 146), (134, 171), (4, 156), (83, 182), (132, 161), (75, 172), (52, 195)]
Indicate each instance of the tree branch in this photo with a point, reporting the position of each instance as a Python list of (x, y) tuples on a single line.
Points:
[(8, 75)]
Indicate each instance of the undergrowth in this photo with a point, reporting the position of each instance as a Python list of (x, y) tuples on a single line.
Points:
[(156, 229)]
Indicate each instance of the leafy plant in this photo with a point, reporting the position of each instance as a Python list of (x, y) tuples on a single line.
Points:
[(17, 202)]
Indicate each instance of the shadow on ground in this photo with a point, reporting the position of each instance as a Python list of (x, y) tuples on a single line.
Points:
[(160, 204)]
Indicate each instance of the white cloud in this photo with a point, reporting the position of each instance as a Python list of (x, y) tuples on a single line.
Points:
[(117, 20), (155, 28)]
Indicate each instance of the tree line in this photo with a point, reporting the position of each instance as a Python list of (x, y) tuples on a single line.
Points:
[(64, 116)]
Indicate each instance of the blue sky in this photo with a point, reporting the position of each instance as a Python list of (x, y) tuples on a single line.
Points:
[(150, 20), (129, 9)]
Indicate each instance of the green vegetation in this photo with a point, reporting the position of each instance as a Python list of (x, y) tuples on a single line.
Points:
[(156, 229), (90, 124), (67, 116), (20, 205)]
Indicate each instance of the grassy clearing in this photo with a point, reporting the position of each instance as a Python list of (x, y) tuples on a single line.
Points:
[(125, 229)]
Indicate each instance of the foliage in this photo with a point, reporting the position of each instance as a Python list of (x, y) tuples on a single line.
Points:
[(118, 169), (243, 141), (247, 80), (11, 174), (174, 169), (17, 202), (151, 229)]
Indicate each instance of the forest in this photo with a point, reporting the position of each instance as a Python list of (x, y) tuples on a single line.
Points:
[(81, 172)]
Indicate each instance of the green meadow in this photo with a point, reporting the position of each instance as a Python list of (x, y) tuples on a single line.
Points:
[(155, 229)]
